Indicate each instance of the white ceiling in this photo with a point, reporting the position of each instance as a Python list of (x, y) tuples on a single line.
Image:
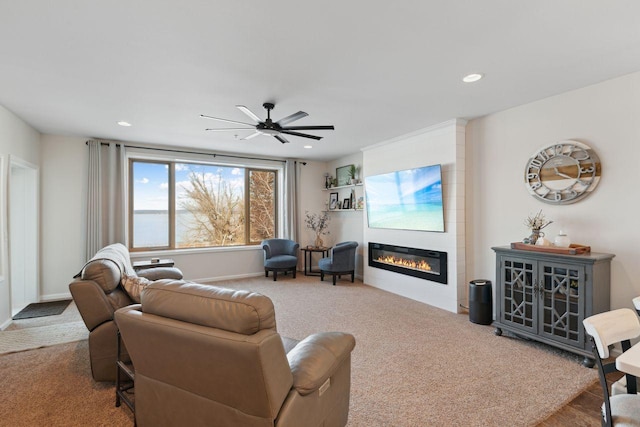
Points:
[(373, 69)]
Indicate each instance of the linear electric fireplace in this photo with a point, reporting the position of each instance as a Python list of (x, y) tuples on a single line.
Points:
[(422, 263)]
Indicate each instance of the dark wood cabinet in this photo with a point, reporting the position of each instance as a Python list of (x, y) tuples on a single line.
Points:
[(545, 297)]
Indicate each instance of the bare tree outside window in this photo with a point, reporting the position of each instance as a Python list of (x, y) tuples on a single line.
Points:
[(262, 209), (217, 211)]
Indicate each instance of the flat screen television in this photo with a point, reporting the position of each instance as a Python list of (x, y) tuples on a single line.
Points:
[(409, 199)]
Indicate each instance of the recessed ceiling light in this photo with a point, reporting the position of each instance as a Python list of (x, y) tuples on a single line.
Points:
[(308, 146), (123, 123), (472, 78)]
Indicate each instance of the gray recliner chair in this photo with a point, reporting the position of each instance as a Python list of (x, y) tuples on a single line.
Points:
[(205, 355), (280, 255), (98, 293), (341, 260)]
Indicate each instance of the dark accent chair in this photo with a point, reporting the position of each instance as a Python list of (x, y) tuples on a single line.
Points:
[(341, 260), (280, 255)]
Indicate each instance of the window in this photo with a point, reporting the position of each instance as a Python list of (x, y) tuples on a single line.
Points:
[(177, 205)]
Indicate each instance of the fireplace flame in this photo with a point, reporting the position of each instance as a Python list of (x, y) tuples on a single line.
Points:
[(407, 263)]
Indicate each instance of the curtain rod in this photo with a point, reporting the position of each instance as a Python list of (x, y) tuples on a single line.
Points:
[(193, 152)]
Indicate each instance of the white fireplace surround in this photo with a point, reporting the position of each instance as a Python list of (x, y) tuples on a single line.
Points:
[(443, 144)]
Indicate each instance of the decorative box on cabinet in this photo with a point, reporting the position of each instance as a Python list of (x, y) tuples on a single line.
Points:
[(545, 297)]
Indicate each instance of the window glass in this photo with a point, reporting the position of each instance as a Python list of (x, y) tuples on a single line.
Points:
[(150, 204)]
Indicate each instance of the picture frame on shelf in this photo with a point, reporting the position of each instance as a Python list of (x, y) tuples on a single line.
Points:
[(346, 203), (343, 175), (333, 201)]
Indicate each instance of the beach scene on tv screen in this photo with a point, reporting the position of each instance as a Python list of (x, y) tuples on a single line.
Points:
[(406, 200)]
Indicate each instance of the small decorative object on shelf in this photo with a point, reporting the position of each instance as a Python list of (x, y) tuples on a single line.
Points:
[(536, 224), (327, 184), (562, 240), (353, 170), (333, 201), (360, 204), (343, 175), (319, 224)]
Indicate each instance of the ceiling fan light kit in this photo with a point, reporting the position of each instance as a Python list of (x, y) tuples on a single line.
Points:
[(268, 127)]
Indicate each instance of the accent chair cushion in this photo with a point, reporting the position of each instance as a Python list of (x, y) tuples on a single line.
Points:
[(281, 261)]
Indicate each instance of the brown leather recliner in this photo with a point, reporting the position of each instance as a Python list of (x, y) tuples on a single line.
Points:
[(205, 355), (98, 293)]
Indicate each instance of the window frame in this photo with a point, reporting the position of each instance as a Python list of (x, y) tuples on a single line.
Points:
[(249, 165)]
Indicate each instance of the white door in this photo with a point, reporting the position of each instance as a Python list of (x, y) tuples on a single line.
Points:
[(23, 233)]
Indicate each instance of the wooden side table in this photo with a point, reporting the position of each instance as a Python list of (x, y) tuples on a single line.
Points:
[(308, 251)]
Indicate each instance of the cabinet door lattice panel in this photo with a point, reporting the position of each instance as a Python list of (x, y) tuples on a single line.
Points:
[(518, 298), (562, 303)]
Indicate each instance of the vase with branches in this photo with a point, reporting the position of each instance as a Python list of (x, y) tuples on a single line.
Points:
[(319, 224), (536, 224)]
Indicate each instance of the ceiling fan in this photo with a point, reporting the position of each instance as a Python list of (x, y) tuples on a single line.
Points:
[(269, 127)]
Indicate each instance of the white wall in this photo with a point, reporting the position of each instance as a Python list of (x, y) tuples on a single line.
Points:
[(442, 144), (63, 205), (604, 116), (19, 139)]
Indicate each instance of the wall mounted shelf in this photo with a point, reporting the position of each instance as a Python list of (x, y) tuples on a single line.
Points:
[(342, 186)]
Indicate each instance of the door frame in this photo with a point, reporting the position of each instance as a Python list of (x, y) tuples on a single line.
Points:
[(23, 230)]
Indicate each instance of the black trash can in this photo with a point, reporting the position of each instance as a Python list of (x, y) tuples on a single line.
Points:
[(480, 302)]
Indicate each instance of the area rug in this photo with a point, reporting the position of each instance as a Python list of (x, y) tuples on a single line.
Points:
[(41, 336), (42, 309)]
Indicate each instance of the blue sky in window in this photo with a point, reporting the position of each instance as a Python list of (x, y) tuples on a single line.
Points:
[(151, 182)]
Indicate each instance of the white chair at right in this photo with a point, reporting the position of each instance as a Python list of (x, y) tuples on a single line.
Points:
[(605, 330)]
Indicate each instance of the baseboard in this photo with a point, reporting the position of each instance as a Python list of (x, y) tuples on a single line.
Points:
[(5, 324), (221, 278), (55, 297)]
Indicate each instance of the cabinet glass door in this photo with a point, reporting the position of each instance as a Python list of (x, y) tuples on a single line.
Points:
[(561, 288), (518, 294)]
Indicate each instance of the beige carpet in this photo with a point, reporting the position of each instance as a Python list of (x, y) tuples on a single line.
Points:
[(413, 365)]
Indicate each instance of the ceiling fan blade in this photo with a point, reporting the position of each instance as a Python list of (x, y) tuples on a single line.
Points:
[(253, 135), (217, 130), (309, 128), (291, 118), (249, 113), (226, 120), (304, 135), (281, 139)]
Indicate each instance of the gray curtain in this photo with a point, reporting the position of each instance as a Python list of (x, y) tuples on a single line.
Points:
[(291, 173), (105, 196)]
